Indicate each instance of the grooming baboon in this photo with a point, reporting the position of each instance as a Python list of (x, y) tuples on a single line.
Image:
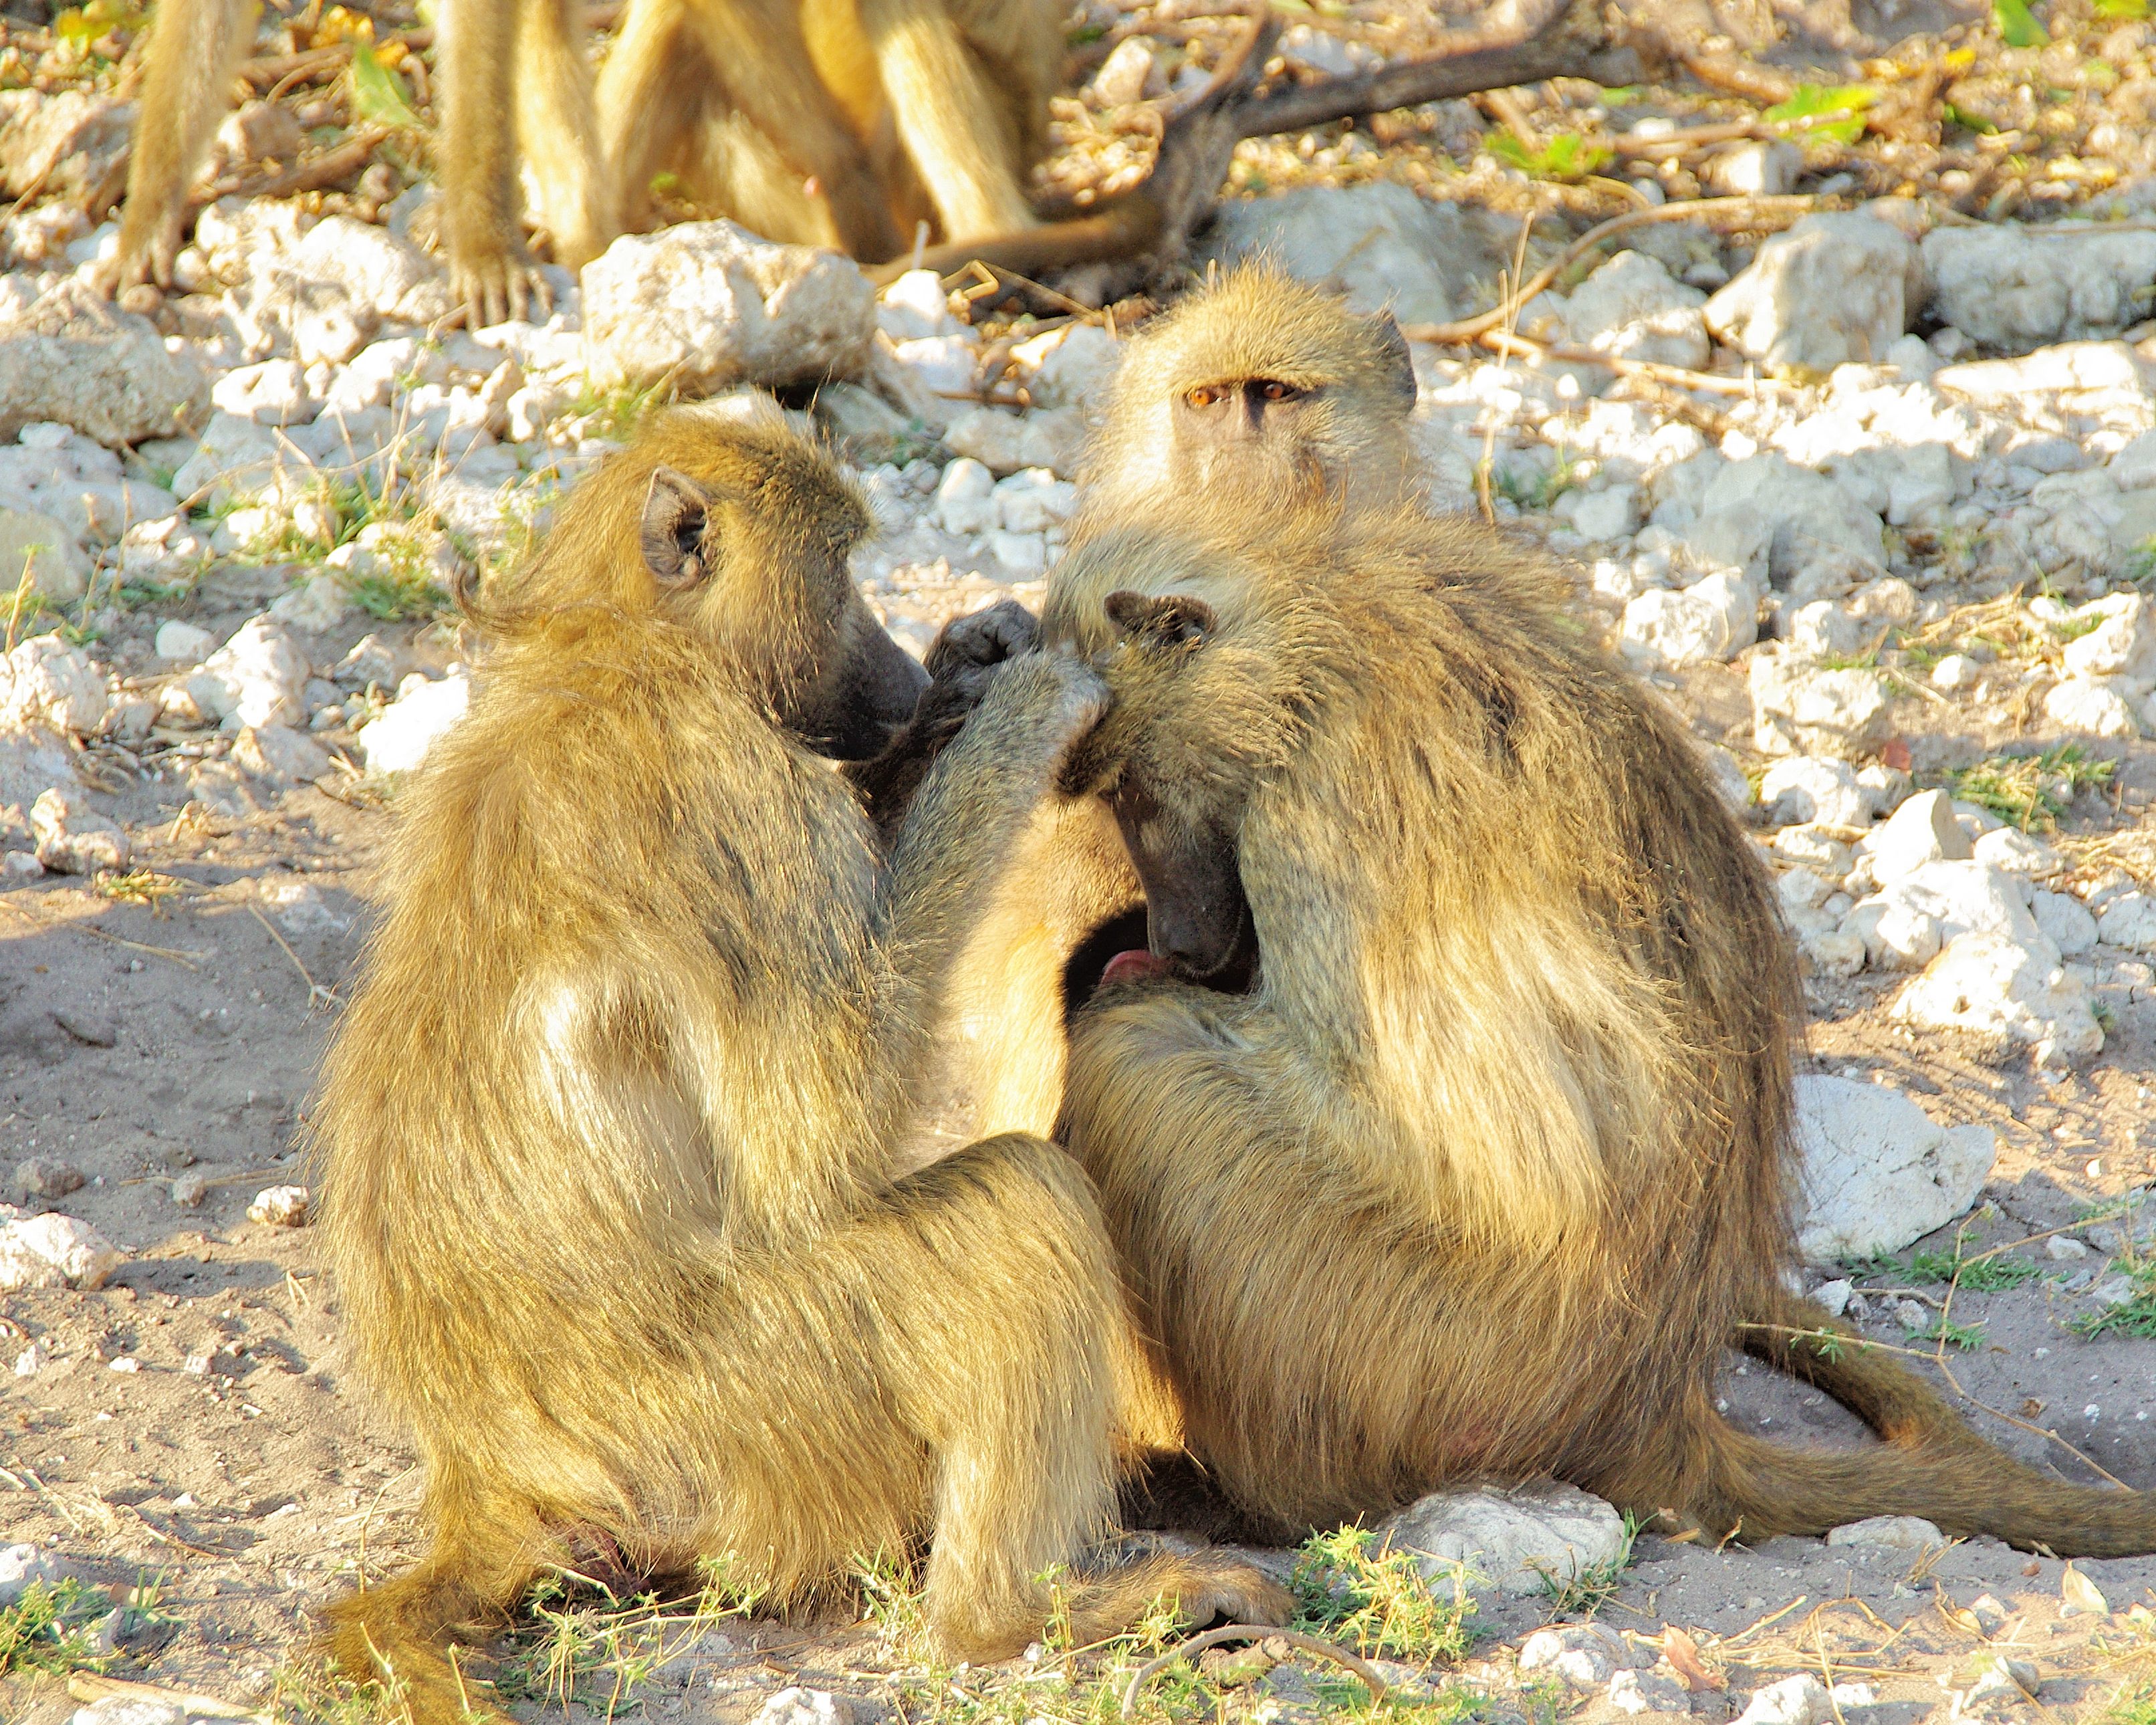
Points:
[(836, 121), (513, 75), (1444, 1120), (608, 1135)]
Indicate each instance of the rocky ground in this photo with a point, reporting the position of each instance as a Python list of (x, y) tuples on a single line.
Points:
[(1863, 480)]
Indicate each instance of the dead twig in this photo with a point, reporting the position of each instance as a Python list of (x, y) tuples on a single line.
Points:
[(327, 168), (1409, 84), (1676, 375), (315, 991), (1253, 1632)]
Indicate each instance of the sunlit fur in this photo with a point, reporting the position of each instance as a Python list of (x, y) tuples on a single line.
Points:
[(1350, 439), (835, 122), (607, 1138), (1481, 1179)]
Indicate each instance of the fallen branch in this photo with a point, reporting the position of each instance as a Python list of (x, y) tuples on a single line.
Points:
[(1501, 342), (1409, 84), (1734, 212), (311, 63), (329, 168)]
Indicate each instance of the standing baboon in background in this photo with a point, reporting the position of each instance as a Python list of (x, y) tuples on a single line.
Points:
[(836, 122), (513, 74), (608, 1135), (1476, 1149)]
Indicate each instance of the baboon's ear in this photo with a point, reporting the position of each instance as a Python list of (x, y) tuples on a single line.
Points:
[(1174, 619), (1398, 365), (675, 510)]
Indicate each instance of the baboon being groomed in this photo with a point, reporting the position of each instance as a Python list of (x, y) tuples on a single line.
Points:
[(607, 1138), (1443, 1120)]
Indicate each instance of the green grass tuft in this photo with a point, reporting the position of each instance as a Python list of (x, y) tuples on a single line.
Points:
[(1378, 1602)]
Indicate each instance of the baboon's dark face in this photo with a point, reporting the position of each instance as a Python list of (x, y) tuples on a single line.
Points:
[(1256, 432), (779, 597)]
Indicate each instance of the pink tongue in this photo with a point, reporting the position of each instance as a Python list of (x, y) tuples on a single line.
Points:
[(1130, 966)]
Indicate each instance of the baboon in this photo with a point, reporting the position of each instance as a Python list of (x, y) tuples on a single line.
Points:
[(514, 76), (1443, 1121), (607, 1138), (1253, 399), (1258, 394), (836, 122)]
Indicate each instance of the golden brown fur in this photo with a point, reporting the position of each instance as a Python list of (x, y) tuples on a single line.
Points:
[(1481, 1176), (607, 1137), (836, 122)]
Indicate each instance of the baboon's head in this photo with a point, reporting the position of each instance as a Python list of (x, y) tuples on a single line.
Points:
[(737, 531), (1208, 702), (1260, 392)]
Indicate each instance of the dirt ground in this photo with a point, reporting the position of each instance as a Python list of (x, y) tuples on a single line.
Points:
[(192, 1425)]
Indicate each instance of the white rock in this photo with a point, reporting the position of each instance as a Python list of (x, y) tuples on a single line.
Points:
[(1815, 787), (280, 754), (1023, 554), (1922, 830), (1824, 540), (2091, 708), (1635, 1692), (1069, 367), (106, 372), (184, 642), (1583, 1653), (424, 711), (1709, 621), (257, 678), (1832, 1298), (373, 267), (2004, 287), (942, 365), (1833, 289), (1795, 1700), (1822, 629), (2015, 853), (1381, 244), (914, 307), (275, 392), (1007, 442), (279, 1207), (1629, 308), (2064, 921), (2121, 644), (796, 1706), (1910, 1533), (32, 539), (1801, 889), (2072, 368), (1877, 1172), (1032, 500), (238, 461), (319, 602), (1798, 709), (2066, 1250), (45, 681), (52, 1252), (73, 837), (1611, 513), (1516, 1540), (1755, 169), (965, 501), (2128, 922), (708, 303), (1727, 772), (21, 1565), (2003, 988)]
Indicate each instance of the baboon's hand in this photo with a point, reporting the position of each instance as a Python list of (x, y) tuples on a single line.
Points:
[(495, 280), (1053, 698), (985, 638), (148, 252)]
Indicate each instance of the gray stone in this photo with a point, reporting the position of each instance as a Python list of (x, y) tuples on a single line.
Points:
[(2005, 286), (708, 303), (31, 540), (70, 146), (1909, 1534), (1583, 1653), (1835, 289), (1710, 620), (1814, 787), (259, 677), (52, 1251), (1922, 830), (1629, 309), (47, 681), (1519, 1541), (1877, 1171), (2007, 992), (1794, 1700), (1381, 245), (21, 1566), (47, 1177), (73, 837), (1798, 709), (80, 362)]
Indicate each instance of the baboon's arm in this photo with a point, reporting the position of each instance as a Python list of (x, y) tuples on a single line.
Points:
[(477, 150), (194, 50)]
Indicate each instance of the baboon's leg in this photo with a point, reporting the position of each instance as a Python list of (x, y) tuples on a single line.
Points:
[(194, 48), (558, 130), (476, 150), (761, 56), (953, 122), (485, 1553), (652, 91)]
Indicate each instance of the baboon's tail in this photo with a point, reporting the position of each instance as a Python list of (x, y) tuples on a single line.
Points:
[(1757, 1489), (398, 1634), (1796, 1336)]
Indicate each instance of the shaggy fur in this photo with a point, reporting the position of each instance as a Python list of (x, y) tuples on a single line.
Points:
[(1481, 1177), (608, 1138)]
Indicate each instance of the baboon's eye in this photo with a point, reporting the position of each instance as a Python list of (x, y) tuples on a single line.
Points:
[(1272, 389), (1206, 395)]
